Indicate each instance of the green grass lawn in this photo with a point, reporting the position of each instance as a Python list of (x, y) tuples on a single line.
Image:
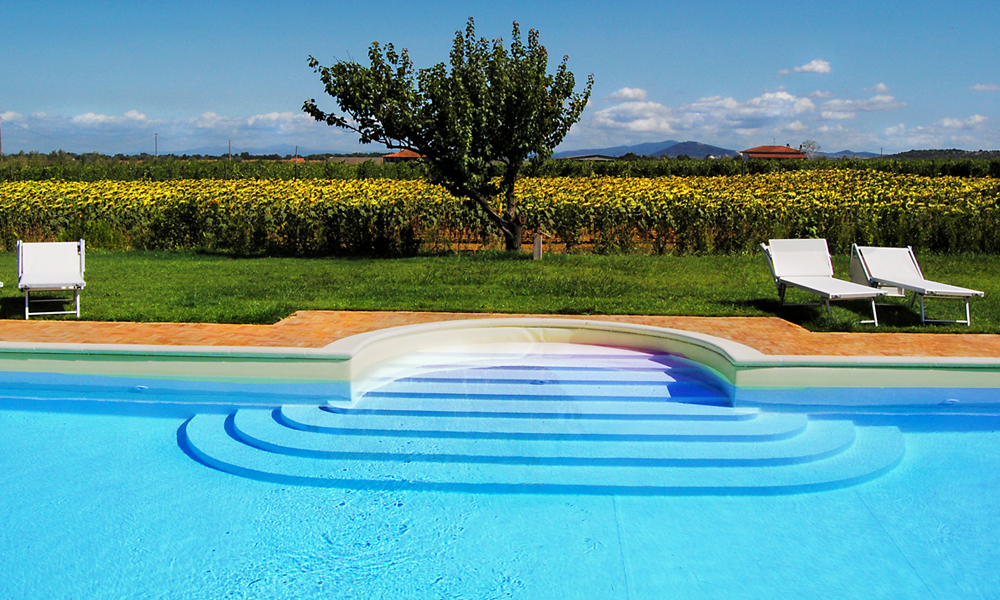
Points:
[(193, 287)]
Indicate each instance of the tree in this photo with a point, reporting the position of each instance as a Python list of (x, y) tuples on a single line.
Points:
[(811, 148), (476, 124)]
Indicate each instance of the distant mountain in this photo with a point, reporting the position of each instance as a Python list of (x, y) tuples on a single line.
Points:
[(279, 149), (695, 150), (647, 149), (669, 148), (848, 154), (945, 154)]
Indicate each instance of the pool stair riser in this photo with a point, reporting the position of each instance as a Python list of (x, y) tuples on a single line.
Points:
[(825, 455)]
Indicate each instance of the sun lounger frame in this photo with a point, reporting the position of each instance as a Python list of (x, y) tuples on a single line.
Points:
[(820, 280), (63, 277), (922, 288)]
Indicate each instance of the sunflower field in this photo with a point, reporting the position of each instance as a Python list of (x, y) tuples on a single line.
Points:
[(668, 215)]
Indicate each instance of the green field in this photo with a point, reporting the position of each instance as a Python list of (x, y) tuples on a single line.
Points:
[(197, 287)]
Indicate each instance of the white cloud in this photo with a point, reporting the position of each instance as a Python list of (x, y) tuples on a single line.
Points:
[(92, 119), (209, 132), (649, 117), (973, 122), (985, 87), (11, 116), (947, 133), (627, 94), (838, 109), (814, 66), (880, 88), (796, 127), (710, 114), (211, 120), (820, 94), (836, 115), (774, 105)]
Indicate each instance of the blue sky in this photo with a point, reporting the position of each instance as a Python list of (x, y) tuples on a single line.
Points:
[(864, 76)]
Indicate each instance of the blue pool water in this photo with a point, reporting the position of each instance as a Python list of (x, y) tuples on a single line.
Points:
[(535, 472)]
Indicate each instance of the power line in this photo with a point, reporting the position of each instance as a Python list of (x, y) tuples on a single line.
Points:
[(49, 137), (39, 134)]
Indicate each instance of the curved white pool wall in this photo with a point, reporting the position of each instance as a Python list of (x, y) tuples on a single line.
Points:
[(337, 371), (750, 377), (372, 350)]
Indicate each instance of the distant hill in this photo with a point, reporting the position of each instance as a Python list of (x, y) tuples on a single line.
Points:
[(945, 154), (848, 154), (279, 149), (695, 150), (674, 149), (647, 149)]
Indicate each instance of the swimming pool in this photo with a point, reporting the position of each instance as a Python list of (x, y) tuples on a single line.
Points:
[(539, 471)]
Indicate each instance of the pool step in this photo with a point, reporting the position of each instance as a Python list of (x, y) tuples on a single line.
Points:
[(266, 430), (424, 405), (767, 426), (824, 454), (612, 423), (542, 384)]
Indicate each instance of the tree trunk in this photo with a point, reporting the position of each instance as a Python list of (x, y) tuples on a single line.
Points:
[(515, 230), (513, 220)]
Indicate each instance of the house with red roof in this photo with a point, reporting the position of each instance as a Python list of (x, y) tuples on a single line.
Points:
[(401, 156), (776, 152)]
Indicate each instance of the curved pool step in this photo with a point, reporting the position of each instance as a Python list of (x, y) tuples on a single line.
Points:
[(874, 451), (640, 374), (622, 375), (766, 426), (261, 429), (621, 423), (536, 382), (535, 408)]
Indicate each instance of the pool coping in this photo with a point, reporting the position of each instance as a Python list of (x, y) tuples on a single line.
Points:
[(753, 377)]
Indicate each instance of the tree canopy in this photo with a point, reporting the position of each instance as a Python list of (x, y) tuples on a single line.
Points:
[(476, 121)]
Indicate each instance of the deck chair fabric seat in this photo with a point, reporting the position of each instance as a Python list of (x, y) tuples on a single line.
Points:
[(829, 287), (51, 281), (897, 270), (47, 267), (805, 264)]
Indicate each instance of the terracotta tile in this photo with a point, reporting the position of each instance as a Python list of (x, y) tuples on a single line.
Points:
[(315, 329)]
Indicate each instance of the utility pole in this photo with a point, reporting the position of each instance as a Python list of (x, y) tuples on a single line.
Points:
[(230, 150), (156, 145), (1, 140)]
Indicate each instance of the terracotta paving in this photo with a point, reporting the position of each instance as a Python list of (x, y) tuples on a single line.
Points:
[(315, 329)]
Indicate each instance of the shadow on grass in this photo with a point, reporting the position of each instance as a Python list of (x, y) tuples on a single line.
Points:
[(13, 307), (814, 318)]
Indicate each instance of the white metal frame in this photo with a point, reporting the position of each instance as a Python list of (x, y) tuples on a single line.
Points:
[(816, 277), (64, 278), (861, 273)]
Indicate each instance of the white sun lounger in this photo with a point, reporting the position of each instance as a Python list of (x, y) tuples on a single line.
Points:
[(806, 265), (896, 271), (48, 267)]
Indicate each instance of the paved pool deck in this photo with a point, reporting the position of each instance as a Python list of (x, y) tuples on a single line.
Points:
[(315, 329)]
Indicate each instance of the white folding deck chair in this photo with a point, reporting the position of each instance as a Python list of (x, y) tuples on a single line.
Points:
[(896, 271), (806, 265), (49, 267)]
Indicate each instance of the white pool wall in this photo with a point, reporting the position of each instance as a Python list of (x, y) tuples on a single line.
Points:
[(750, 376)]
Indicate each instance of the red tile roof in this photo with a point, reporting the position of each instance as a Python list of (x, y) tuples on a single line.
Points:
[(774, 152), (404, 154)]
